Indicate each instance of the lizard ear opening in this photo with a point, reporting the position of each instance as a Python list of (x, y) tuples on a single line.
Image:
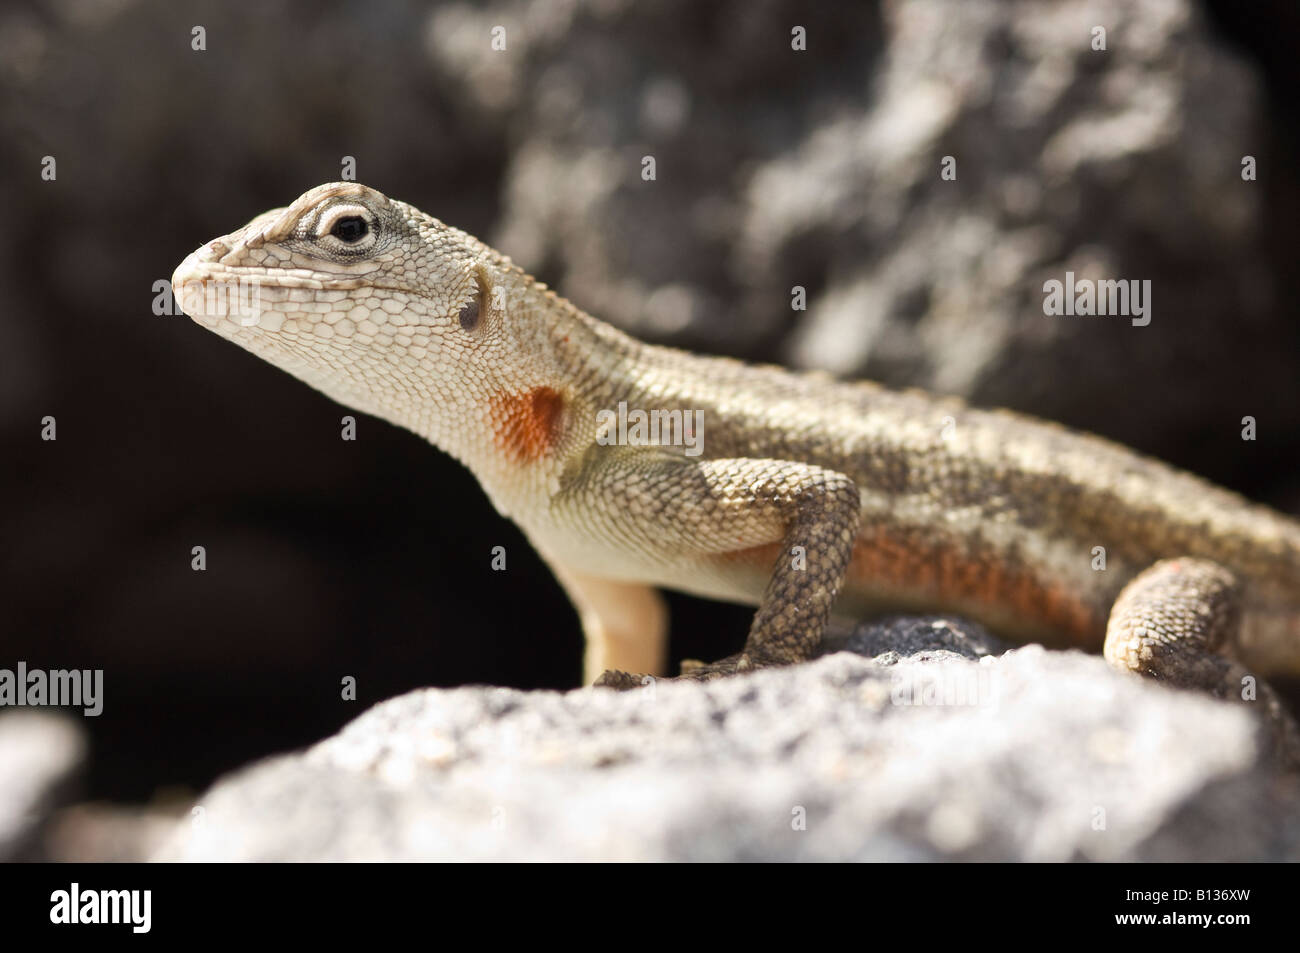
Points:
[(474, 313), (469, 314)]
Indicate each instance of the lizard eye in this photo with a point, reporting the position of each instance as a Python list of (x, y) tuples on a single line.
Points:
[(351, 229)]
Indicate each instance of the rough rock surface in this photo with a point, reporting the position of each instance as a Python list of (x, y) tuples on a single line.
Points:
[(1032, 755)]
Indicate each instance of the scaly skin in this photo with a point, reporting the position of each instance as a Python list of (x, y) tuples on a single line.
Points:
[(895, 500)]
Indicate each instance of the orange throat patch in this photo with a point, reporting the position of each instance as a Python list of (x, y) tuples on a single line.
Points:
[(526, 426)]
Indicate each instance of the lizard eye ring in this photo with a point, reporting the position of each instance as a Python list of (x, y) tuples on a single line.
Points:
[(349, 229)]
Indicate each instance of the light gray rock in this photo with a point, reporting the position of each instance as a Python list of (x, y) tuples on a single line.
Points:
[(1032, 755), (40, 753), (99, 833)]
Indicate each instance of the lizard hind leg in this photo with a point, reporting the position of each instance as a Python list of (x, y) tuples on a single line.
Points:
[(1177, 622), (625, 624)]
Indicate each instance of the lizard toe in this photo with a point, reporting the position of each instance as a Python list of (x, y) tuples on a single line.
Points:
[(622, 681)]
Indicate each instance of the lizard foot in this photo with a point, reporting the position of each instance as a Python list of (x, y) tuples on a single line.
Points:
[(1178, 622), (737, 664), (622, 681), (692, 670)]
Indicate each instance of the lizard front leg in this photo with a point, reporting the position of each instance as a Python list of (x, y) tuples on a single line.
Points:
[(680, 511), (1177, 622)]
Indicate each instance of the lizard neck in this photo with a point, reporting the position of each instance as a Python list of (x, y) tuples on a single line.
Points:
[(548, 370)]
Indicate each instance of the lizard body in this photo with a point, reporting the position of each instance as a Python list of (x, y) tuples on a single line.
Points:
[(894, 499)]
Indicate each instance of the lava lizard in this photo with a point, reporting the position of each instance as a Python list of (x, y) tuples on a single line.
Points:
[(799, 493)]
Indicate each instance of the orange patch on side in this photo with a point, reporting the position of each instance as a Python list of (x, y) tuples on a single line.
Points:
[(754, 557), (980, 583), (906, 568), (525, 426)]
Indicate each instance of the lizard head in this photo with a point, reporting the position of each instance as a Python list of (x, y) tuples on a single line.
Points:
[(367, 299)]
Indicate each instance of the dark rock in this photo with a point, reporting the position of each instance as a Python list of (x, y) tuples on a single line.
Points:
[(921, 637)]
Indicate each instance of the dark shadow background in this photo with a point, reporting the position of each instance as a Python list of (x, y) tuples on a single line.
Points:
[(370, 559)]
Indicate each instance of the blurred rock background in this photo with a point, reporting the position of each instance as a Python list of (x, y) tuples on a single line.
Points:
[(775, 168)]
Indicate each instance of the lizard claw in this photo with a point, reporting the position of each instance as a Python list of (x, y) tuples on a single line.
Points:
[(692, 670), (731, 665), (622, 681)]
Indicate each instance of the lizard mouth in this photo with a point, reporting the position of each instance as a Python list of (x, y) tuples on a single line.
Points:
[(206, 288), (203, 292), (215, 296), (243, 301)]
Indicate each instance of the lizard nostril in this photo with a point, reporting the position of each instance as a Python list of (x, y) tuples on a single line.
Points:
[(218, 249)]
